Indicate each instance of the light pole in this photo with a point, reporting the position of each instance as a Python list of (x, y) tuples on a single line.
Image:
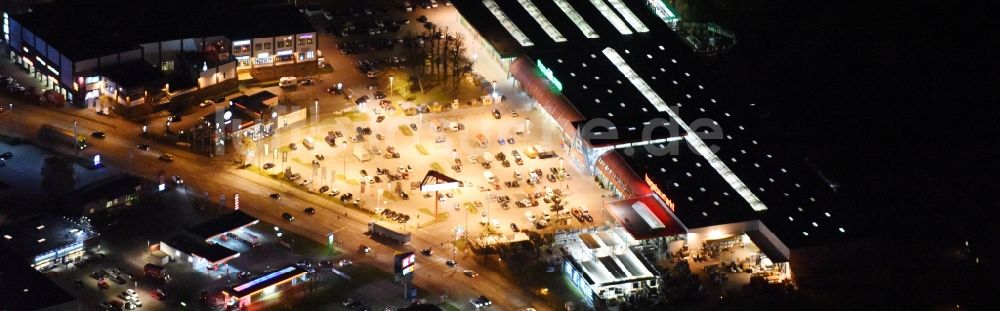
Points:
[(76, 142), (391, 78), (495, 91)]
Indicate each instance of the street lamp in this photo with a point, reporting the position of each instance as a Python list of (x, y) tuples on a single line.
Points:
[(495, 95), (391, 78)]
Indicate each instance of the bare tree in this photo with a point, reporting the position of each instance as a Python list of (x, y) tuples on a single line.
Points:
[(459, 63)]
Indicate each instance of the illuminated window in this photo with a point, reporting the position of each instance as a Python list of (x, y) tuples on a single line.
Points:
[(258, 47), (167, 65), (241, 48)]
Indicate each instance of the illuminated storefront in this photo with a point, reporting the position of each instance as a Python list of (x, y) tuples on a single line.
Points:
[(266, 287), (603, 267), (48, 242)]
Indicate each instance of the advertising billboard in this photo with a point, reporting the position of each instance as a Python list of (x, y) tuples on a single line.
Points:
[(405, 264)]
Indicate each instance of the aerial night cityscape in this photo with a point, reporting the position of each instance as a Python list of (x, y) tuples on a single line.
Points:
[(497, 155)]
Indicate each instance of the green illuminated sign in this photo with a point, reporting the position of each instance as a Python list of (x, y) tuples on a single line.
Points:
[(549, 75)]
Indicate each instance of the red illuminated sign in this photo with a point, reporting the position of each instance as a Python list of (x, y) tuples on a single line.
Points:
[(656, 190)]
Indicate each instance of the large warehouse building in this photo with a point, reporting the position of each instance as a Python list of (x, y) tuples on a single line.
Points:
[(636, 111), (125, 50)]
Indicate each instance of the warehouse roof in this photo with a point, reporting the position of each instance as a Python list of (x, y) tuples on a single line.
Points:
[(25, 288), (40, 235), (632, 87), (222, 224)]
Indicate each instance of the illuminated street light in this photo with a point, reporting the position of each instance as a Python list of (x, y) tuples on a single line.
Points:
[(391, 78), (495, 90)]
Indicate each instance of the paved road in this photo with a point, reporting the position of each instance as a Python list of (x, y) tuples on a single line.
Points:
[(218, 176)]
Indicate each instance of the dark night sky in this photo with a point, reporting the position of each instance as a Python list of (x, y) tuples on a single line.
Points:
[(897, 102)]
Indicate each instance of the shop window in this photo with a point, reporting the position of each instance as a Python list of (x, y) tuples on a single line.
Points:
[(167, 65)]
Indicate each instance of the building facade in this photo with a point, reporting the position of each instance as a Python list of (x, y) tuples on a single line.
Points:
[(72, 61)]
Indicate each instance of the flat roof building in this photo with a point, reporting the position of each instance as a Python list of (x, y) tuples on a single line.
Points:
[(106, 196), (637, 110), (123, 50), (27, 289), (47, 241), (602, 265), (198, 245), (265, 286), (221, 225)]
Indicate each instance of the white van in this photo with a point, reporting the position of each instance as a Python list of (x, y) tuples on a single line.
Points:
[(309, 143), (287, 81), (489, 176)]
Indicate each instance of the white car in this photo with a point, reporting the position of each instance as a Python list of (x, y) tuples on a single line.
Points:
[(434, 3), (306, 182), (530, 215)]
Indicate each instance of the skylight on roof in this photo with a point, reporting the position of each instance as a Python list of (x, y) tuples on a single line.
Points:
[(647, 216), (629, 16), (507, 23), (542, 21), (611, 16), (695, 141), (577, 19)]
